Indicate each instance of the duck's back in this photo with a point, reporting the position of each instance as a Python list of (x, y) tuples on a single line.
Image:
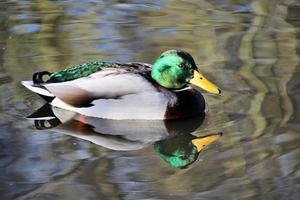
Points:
[(87, 69)]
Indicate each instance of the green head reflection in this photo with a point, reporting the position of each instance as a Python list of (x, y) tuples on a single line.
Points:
[(182, 150)]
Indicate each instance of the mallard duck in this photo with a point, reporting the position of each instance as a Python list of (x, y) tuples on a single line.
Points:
[(128, 91), (172, 140)]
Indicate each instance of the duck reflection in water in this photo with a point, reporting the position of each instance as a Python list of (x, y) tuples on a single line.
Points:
[(172, 140)]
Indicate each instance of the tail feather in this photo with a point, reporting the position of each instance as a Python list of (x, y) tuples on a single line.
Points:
[(39, 89)]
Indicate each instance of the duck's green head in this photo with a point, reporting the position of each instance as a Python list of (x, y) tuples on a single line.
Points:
[(183, 150), (179, 157), (175, 69)]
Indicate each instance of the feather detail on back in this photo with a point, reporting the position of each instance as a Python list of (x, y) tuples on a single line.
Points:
[(80, 71), (87, 69)]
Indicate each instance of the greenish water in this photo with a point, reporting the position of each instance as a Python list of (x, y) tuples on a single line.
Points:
[(250, 49)]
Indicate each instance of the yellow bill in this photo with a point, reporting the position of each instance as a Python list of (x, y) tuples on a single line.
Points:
[(200, 81), (200, 143)]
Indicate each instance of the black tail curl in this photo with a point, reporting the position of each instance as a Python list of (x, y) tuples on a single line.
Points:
[(37, 77)]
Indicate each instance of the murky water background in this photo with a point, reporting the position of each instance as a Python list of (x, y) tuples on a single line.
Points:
[(249, 48)]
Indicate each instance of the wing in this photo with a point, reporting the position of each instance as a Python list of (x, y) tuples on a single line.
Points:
[(105, 84), (81, 84)]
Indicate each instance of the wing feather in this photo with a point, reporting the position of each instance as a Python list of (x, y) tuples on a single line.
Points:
[(106, 84)]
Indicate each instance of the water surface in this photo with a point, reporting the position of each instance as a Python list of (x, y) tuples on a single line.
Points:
[(249, 48)]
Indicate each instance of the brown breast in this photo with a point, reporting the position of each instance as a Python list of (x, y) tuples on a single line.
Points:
[(189, 103)]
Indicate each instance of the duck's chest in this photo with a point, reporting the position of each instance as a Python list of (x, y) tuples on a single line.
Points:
[(188, 103)]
